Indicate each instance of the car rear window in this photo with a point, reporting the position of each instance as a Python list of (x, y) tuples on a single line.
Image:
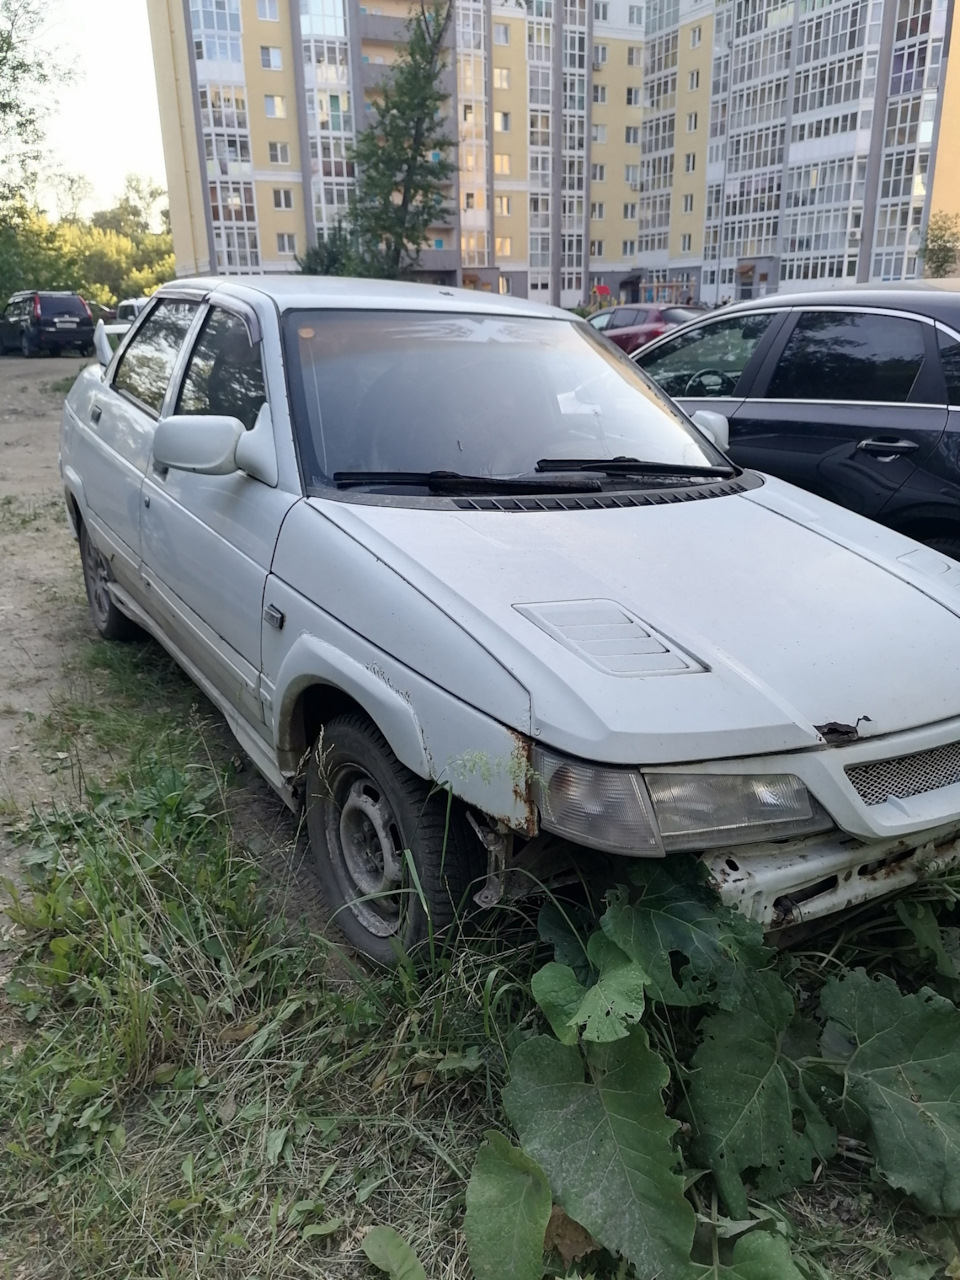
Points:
[(69, 305), (950, 360), (680, 315), (848, 355)]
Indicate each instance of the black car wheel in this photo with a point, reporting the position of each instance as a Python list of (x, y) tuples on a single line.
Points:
[(946, 546), (369, 818), (26, 349), (107, 618)]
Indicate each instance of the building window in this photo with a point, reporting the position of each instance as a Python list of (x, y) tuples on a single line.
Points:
[(501, 33), (286, 242), (501, 122), (601, 11), (502, 246), (600, 93), (633, 98), (501, 206), (279, 152), (598, 173), (596, 248), (690, 162), (282, 198), (501, 80), (635, 15), (634, 56), (271, 57), (629, 248), (275, 106), (501, 164), (596, 211), (691, 122), (688, 203), (693, 80), (686, 243), (632, 133), (599, 55), (598, 133), (268, 10), (630, 212), (696, 34), (631, 174), (438, 243)]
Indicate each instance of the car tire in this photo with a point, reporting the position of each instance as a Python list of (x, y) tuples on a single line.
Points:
[(107, 618), (946, 546), (26, 350), (364, 809), (88, 350)]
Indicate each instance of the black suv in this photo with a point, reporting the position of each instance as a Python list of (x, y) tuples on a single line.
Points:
[(35, 321), (853, 394)]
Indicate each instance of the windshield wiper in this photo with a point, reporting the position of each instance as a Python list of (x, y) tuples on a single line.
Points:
[(454, 482), (632, 467)]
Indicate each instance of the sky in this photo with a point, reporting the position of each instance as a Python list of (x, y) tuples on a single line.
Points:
[(106, 124)]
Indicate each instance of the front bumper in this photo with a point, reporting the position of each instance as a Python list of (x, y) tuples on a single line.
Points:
[(788, 884)]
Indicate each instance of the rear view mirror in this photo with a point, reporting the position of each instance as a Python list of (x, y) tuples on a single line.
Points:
[(714, 425), (203, 443), (102, 345)]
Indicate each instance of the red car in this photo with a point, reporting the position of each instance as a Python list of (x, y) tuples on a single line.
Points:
[(634, 324)]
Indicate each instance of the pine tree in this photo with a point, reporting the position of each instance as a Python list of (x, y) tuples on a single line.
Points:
[(402, 158)]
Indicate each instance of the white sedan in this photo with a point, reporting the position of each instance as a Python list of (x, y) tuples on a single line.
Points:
[(470, 590)]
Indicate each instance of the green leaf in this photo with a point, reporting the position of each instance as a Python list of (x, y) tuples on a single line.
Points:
[(322, 1228), (508, 1208), (761, 1255), (693, 950), (605, 1144), (558, 993), (900, 1057), (919, 919), (391, 1253), (275, 1140), (746, 1097), (616, 999)]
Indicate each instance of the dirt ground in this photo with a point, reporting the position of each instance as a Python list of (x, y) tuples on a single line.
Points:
[(44, 621)]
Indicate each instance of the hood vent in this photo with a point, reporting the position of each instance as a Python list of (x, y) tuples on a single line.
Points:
[(609, 637), (600, 501)]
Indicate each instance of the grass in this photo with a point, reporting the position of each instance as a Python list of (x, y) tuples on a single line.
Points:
[(194, 1085), (18, 515)]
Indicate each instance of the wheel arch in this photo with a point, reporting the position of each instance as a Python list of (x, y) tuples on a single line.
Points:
[(922, 525)]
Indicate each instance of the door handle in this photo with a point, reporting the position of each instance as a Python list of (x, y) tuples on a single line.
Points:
[(882, 447), (96, 413)]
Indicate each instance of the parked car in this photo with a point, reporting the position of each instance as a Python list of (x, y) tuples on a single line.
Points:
[(476, 596), (37, 320), (129, 309), (853, 394), (631, 326)]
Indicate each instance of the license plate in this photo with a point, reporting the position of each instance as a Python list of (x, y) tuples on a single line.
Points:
[(66, 324)]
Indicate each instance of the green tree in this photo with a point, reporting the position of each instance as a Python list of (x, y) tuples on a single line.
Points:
[(940, 246), (27, 74), (334, 254), (134, 214), (402, 158)]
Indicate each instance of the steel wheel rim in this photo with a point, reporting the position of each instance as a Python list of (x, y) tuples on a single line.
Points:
[(366, 847), (98, 583)]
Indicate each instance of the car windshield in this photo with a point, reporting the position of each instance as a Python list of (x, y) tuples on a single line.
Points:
[(483, 395)]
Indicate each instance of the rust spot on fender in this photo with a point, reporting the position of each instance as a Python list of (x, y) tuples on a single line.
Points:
[(521, 774)]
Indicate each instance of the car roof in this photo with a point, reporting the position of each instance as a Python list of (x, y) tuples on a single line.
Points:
[(938, 299), (46, 293), (295, 292)]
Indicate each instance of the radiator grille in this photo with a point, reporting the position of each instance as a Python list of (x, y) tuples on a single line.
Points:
[(906, 775)]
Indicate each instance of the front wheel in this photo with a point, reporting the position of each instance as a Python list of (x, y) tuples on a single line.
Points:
[(107, 618), (26, 350), (369, 818)]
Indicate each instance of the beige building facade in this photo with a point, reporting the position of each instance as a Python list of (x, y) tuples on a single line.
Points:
[(261, 100)]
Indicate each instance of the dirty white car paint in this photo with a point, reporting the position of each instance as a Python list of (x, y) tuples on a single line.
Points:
[(645, 663)]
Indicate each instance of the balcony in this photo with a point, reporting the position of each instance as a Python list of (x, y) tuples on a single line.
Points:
[(386, 30)]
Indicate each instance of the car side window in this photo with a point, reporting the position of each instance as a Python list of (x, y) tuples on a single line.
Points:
[(846, 355), (624, 317), (147, 364), (224, 375), (950, 362), (720, 348)]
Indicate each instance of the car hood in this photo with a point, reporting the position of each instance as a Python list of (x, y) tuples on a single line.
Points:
[(688, 631)]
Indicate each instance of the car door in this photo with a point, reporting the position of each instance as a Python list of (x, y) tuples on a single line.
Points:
[(10, 326), (208, 540), (708, 366), (847, 405), (111, 443)]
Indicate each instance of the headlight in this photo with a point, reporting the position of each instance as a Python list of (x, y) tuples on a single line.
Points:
[(704, 811), (606, 809)]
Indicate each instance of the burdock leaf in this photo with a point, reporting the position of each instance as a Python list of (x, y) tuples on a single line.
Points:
[(508, 1208)]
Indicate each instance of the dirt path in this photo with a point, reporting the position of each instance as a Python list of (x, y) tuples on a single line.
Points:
[(44, 623)]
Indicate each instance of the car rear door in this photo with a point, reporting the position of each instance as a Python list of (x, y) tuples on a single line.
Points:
[(848, 403), (208, 540), (111, 442), (708, 365)]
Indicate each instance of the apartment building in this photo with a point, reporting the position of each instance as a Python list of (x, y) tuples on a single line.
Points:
[(792, 144), (260, 101)]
